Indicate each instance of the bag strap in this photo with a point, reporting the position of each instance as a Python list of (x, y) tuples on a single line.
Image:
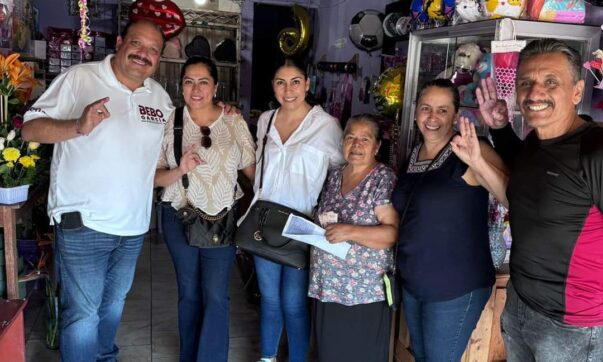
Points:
[(178, 126), (264, 149)]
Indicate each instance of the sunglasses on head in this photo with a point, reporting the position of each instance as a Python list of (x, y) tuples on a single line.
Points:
[(205, 140)]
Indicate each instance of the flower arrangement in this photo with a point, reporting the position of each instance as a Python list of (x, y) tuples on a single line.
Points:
[(18, 158), (595, 67)]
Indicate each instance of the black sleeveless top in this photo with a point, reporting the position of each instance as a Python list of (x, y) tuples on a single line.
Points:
[(444, 249)]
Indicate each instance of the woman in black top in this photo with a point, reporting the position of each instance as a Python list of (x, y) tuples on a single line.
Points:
[(444, 256)]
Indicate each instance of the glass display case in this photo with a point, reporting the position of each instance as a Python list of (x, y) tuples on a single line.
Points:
[(435, 52)]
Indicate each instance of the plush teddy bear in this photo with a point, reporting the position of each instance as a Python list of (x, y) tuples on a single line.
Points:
[(467, 11), (483, 71), (466, 58)]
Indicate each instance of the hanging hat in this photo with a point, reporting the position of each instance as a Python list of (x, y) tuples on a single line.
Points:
[(226, 51), (198, 46)]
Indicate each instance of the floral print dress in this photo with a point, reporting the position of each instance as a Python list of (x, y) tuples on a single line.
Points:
[(358, 278)]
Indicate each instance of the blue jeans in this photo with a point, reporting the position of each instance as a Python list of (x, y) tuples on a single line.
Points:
[(440, 331), (95, 272), (284, 292), (203, 276), (532, 336)]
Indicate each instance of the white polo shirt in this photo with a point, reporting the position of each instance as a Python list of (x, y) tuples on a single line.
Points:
[(295, 171), (108, 175)]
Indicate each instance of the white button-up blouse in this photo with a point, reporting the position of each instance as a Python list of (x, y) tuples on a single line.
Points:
[(295, 171)]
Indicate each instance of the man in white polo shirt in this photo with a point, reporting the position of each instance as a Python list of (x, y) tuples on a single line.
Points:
[(106, 120)]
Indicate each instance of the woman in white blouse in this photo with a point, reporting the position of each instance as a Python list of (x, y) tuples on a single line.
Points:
[(214, 147), (303, 142)]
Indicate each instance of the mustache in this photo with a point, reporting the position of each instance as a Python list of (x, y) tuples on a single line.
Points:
[(136, 57), (529, 102)]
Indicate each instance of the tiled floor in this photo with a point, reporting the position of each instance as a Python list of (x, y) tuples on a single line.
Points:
[(148, 331)]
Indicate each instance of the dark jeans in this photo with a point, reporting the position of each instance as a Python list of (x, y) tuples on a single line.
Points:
[(440, 331), (203, 276), (532, 336)]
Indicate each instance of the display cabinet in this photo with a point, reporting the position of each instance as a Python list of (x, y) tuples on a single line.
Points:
[(433, 51), (215, 26)]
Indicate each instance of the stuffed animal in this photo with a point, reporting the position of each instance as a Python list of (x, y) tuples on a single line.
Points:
[(467, 11), (483, 71), (466, 58), (505, 8)]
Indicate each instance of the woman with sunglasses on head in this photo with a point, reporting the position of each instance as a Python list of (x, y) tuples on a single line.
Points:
[(302, 144), (215, 146)]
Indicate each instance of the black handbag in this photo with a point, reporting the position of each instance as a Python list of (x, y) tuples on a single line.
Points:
[(208, 231), (203, 230), (260, 233)]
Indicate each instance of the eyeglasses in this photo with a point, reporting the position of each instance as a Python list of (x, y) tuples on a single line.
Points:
[(205, 140)]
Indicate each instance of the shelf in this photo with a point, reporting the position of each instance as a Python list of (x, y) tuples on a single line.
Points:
[(182, 61), (200, 18), (212, 19)]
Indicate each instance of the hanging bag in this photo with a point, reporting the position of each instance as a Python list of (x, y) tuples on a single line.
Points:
[(505, 59), (260, 232), (202, 230)]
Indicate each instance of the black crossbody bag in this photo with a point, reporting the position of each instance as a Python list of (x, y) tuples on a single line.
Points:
[(260, 233), (202, 230)]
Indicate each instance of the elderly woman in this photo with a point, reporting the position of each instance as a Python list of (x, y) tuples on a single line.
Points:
[(215, 146), (443, 249), (352, 319)]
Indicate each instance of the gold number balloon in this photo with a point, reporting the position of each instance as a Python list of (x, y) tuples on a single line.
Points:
[(293, 41)]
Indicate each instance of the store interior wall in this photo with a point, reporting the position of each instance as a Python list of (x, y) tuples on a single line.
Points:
[(330, 40)]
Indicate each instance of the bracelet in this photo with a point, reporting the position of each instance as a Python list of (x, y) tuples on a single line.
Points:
[(77, 127)]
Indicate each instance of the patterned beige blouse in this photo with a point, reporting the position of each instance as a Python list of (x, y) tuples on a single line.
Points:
[(211, 184)]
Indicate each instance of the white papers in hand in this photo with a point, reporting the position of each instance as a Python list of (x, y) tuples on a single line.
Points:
[(300, 229)]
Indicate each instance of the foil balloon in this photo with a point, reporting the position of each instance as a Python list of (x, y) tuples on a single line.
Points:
[(164, 13), (366, 30), (419, 15), (293, 41), (388, 90)]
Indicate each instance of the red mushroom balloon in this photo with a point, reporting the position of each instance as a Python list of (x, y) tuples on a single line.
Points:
[(164, 13)]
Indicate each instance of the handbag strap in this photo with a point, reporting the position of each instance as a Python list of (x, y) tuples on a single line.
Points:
[(412, 193), (178, 135), (264, 140), (178, 125)]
